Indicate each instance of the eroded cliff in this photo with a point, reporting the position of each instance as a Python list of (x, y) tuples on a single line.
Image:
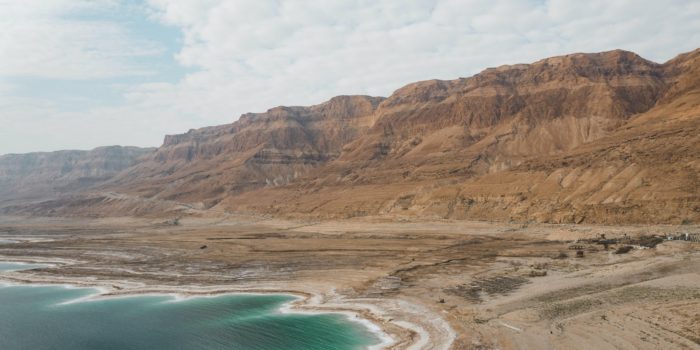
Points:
[(602, 137)]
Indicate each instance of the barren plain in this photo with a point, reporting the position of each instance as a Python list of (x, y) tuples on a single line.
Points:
[(426, 284)]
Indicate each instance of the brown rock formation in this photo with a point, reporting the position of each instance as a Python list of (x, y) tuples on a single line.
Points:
[(524, 142), (258, 150), (605, 137)]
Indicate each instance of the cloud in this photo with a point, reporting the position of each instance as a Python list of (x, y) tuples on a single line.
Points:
[(256, 54), (250, 55), (67, 39)]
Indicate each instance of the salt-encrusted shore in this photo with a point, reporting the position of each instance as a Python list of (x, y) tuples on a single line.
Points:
[(393, 334), (426, 284)]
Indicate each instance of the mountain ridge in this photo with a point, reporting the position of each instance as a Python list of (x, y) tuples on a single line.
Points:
[(41, 175), (490, 146)]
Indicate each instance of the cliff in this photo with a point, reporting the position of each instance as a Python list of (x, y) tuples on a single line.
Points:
[(527, 143), (259, 150), (589, 137)]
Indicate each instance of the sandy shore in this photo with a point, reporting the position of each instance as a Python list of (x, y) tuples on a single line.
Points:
[(423, 285)]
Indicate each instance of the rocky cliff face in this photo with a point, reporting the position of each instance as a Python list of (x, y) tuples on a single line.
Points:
[(525, 142), (604, 137), (500, 117), (36, 176), (259, 150)]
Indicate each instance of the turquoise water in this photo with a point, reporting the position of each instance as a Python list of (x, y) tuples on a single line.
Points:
[(11, 266), (39, 317)]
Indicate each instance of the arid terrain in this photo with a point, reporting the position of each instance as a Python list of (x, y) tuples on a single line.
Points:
[(603, 138), (428, 284), (526, 207)]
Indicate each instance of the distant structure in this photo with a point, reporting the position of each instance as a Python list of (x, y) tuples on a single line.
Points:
[(692, 237)]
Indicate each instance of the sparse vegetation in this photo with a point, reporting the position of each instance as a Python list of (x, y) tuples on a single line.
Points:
[(624, 249), (650, 241), (538, 273)]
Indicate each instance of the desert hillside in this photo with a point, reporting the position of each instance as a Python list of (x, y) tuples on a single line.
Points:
[(42, 175), (598, 137)]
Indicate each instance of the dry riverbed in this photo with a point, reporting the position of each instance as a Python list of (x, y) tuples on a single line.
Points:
[(428, 285)]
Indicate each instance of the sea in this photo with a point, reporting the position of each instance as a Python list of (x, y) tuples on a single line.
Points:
[(56, 317)]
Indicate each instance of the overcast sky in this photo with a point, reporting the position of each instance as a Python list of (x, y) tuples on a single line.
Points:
[(76, 74)]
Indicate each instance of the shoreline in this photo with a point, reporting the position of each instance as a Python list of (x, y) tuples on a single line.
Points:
[(304, 302), (428, 285)]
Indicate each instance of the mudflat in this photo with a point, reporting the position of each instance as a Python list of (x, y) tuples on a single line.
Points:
[(426, 284)]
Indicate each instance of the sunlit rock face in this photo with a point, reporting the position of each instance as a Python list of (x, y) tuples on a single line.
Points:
[(601, 137)]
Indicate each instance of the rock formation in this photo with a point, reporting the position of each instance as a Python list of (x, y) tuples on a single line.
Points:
[(605, 137), (44, 175)]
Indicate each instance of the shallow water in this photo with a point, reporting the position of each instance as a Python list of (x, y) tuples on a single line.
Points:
[(54, 317), (13, 266)]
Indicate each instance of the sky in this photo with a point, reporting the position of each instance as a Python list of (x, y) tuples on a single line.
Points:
[(77, 74)]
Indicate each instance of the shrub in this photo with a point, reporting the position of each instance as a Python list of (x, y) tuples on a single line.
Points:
[(624, 249)]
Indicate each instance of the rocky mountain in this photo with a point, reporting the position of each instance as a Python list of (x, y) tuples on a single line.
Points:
[(603, 137), (523, 142), (44, 175), (259, 150)]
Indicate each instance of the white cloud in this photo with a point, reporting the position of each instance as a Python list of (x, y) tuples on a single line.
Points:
[(46, 39), (257, 54), (250, 55)]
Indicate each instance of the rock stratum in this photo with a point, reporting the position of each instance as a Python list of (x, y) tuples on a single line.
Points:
[(589, 137)]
